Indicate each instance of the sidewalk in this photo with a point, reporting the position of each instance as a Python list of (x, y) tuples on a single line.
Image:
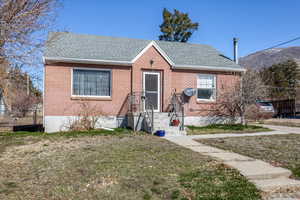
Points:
[(286, 129), (267, 178), (277, 130)]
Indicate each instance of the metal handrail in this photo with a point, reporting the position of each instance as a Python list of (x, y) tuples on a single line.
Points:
[(137, 105), (150, 116), (177, 109)]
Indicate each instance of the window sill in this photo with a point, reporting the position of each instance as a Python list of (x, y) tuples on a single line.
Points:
[(202, 101), (91, 98)]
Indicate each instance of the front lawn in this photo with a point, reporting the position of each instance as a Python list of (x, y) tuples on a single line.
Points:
[(20, 138), (120, 166), (279, 150), (225, 128)]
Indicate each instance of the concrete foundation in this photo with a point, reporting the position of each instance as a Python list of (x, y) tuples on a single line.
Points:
[(135, 122), (62, 123)]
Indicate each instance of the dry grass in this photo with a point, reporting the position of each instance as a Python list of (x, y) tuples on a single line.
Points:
[(282, 122), (112, 167), (279, 150)]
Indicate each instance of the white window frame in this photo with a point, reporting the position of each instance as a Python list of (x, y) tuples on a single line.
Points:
[(215, 88), (92, 69)]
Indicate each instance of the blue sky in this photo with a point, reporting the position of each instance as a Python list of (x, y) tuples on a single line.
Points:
[(258, 24)]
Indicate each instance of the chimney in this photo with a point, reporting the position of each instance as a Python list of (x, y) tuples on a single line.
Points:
[(235, 50)]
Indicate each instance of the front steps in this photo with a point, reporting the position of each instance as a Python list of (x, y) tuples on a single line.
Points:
[(162, 122)]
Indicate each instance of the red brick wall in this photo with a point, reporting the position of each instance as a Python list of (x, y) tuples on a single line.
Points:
[(58, 101), (176, 79), (182, 79), (159, 65)]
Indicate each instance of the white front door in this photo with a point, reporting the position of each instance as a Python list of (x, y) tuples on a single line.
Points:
[(151, 87)]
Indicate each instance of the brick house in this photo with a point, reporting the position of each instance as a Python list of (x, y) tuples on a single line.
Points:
[(137, 83)]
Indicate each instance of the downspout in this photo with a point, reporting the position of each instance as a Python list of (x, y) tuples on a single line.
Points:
[(131, 93)]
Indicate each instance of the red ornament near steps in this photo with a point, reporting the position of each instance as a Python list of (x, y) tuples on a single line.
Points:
[(175, 122)]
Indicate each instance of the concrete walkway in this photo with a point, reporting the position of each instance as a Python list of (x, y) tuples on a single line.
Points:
[(267, 178), (277, 130), (285, 129)]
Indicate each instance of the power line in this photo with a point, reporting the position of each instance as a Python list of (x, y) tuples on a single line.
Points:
[(282, 43)]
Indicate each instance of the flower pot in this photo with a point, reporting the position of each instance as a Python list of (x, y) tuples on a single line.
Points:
[(175, 122)]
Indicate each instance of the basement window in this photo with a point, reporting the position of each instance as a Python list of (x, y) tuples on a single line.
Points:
[(206, 87), (91, 82)]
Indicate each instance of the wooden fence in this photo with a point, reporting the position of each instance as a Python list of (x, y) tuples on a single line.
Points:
[(286, 108)]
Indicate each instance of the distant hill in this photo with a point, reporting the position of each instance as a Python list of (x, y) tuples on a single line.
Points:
[(269, 57)]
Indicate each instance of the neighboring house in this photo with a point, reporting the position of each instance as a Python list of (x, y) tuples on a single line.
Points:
[(128, 77), (2, 104)]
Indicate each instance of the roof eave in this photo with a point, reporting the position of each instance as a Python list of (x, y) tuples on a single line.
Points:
[(49, 60), (209, 68)]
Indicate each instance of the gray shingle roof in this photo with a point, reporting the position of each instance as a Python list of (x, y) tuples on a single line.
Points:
[(90, 47)]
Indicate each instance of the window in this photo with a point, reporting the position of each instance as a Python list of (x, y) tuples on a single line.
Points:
[(206, 87), (91, 82)]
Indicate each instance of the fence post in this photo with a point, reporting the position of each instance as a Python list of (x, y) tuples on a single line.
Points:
[(34, 117), (152, 120)]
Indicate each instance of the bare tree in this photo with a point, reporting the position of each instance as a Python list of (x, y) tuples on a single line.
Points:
[(234, 101), (23, 27), (21, 24), (23, 103), (23, 96)]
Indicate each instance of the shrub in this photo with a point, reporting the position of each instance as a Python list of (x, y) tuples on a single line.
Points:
[(87, 117)]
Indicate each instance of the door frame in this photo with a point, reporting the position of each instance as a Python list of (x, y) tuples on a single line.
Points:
[(158, 89)]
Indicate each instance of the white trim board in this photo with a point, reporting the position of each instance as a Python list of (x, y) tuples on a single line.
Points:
[(155, 45), (86, 61), (209, 68)]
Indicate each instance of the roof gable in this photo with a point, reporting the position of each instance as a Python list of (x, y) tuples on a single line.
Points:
[(153, 44)]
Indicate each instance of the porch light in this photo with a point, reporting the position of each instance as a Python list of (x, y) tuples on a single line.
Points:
[(151, 62)]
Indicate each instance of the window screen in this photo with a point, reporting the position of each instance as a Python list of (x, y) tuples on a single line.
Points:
[(91, 82)]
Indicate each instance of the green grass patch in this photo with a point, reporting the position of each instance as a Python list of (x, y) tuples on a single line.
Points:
[(279, 150), (225, 128), (212, 184)]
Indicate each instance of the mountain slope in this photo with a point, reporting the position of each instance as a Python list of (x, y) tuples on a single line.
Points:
[(269, 57)]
